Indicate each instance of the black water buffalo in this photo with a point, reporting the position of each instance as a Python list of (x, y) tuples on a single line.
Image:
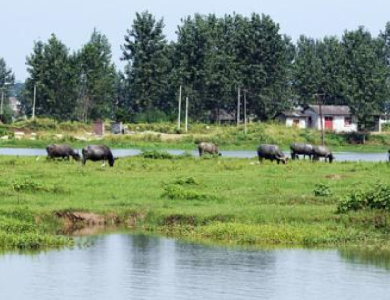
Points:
[(98, 152), (301, 149), (62, 151), (209, 148), (322, 151), (271, 152)]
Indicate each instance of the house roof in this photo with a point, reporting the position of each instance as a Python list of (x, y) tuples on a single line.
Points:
[(293, 113), (336, 110), (223, 115)]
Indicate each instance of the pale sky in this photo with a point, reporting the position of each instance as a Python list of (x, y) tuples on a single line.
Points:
[(24, 21)]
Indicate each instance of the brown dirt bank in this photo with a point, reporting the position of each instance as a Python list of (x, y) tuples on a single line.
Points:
[(88, 223)]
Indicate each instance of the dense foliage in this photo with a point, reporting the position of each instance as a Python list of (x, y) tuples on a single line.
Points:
[(377, 197), (214, 59), (6, 78)]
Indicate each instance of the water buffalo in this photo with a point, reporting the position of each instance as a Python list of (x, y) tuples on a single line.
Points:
[(63, 151), (322, 151), (208, 148), (301, 149), (271, 152), (98, 152)]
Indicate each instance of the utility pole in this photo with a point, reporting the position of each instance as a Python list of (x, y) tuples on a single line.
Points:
[(178, 117), (319, 102), (245, 121), (35, 97), (238, 106), (186, 121)]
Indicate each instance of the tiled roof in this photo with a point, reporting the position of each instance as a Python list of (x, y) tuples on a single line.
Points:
[(331, 109), (294, 113)]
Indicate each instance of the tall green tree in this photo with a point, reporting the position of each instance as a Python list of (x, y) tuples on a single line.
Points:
[(331, 55), (366, 75), (53, 73), (205, 62), (6, 78), (263, 55), (145, 50), (307, 70), (96, 79)]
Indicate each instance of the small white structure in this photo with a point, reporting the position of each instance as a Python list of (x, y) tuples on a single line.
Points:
[(293, 118), (337, 118), (380, 120)]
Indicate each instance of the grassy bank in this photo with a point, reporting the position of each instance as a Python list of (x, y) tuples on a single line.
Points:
[(227, 200), (40, 133)]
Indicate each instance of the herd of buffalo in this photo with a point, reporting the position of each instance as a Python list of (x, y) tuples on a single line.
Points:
[(273, 152), (265, 151), (92, 152)]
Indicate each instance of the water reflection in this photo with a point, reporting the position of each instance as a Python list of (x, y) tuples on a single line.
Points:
[(123, 266), (376, 258)]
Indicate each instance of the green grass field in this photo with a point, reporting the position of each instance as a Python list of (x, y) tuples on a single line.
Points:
[(235, 201)]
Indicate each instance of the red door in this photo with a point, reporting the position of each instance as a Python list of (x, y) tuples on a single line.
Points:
[(328, 123)]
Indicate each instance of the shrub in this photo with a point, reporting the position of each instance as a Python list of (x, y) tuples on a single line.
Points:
[(178, 192), (377, 197), (26, 185), (155, 154), (322, 190), (186, 181)]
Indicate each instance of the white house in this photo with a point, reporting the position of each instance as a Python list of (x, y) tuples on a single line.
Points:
[(337, 118), (380, 120), (293, 118)]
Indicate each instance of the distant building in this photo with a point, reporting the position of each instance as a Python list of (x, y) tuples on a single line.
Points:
[(380, 121), (291, 118), (222, 116), (337, 118)]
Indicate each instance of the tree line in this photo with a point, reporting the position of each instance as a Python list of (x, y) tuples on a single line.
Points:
[(211, 59)]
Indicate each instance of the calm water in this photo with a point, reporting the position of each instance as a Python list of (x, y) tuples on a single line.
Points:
[(125, 266), (340, 156)]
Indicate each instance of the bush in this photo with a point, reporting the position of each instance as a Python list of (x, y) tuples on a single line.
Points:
[(177, 192), (376, 198), (386, 127), (155, 154), (322, 190)]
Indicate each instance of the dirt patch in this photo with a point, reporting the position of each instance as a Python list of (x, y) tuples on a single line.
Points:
[(89, 219), (133, 219), (334, 176), (84, 223)]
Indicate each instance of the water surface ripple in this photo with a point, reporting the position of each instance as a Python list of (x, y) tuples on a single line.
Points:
[(125, 266)]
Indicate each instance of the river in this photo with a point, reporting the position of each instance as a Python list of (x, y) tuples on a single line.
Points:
[(127, 266), (339, 156)]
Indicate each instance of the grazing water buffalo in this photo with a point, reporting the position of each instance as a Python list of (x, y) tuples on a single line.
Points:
[(98, 152), (271, 152), (301, 149), (63, 151), (322, 151), (208, 148)]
